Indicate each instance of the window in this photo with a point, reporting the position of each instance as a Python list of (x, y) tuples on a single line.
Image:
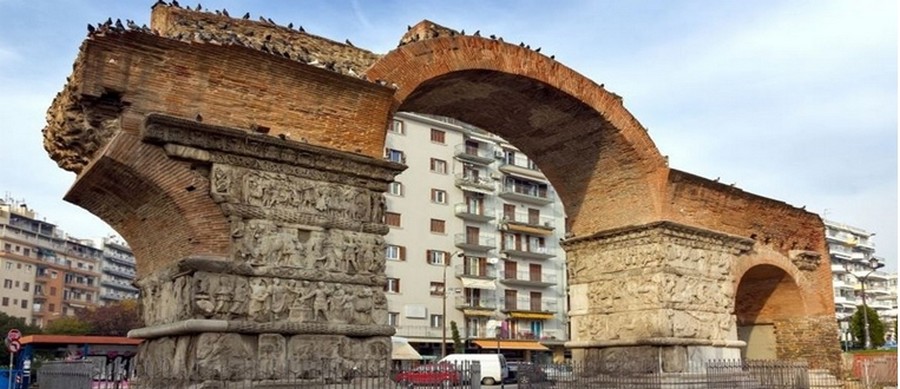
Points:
[(393, 318), (397, 127), (8, 284), (437, 289), (394, 155), (26, 286), (8, 265), (392, 219), (26, 252), (437, 257), (438, 166), (438, 226), (5, 301), (24, 304), (395, 188), (395, 253), (53, 291), (393, 285), (7, 247), (438, 196), (437, 321), (437, 136), (52, 307)]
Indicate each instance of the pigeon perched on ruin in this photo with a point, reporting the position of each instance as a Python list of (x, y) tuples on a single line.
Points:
[(131, 24), (462, 32), (158, 2), (291, 25), (225, 12), (347, 41), (119, 25), (199, 118), (91, 29), (175, 4), (477, 33), (494, 37), (300, 28), (553, 56), (199, 7), (537, 50), (246, 16), (272, 22)]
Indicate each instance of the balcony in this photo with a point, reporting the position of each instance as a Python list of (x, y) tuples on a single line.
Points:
[(472, 213), (480, 155), (527, 252), (838, 269), (39, 295), (121, 273), (479, 304), (474, 183), (129, 262), (118, 285), (480, 243), (526, 278), (523, 222), (520, 166), (526, 304), (487, 273), (420, 331), (527, 194)]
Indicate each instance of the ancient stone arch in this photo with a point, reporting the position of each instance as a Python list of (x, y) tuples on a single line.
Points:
[(242, 161)]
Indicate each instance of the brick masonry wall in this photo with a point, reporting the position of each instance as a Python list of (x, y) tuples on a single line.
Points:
[(810, 338), (599, 158)]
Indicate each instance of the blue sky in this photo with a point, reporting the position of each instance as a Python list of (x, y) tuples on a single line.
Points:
[(794, 100)]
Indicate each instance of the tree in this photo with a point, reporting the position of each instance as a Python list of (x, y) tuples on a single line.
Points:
[(457, 342), (876, 327), (68, 325), (7, 323), (113, 319)]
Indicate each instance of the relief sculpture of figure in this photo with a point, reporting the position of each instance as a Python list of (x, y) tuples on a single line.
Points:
[(259, 299), (222, 179), (278, 294), (361, 206), (316, 250), (363, 306), (223, 295), (300, 308), (239, 297), (320, 302)]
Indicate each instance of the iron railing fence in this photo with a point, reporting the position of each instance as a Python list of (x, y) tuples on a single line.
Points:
[(625, 374), (877, 372)]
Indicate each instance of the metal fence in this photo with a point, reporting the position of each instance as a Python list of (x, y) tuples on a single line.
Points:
[(877, 372), (323, 373)]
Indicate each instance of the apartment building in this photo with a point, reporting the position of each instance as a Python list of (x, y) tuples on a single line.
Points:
[(118, 270), (45, 273), (474, 239), (852, 252)]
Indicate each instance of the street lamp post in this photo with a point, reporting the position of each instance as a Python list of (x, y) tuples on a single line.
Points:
[(458, 254), (873, 265)]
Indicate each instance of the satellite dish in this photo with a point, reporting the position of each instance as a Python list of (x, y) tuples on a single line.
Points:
[(493, 260)]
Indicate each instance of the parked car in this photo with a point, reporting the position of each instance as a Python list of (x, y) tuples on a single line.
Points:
[(559, 373), (526, 372), (443, 374)]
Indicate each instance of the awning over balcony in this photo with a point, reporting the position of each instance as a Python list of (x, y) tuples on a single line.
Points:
[(401, 350), (531, 315), (472, 188), (511, 345), (476, 283), (478, 312)]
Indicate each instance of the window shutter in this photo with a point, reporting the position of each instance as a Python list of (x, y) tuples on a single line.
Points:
[(428, 256), (402, 253), (446, 258)]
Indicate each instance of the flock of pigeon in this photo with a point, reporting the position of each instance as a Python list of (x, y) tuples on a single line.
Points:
[(223, 34)]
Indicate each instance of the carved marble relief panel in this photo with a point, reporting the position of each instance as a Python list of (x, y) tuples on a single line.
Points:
[(275, 190)]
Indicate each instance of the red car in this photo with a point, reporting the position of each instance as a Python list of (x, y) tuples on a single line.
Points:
[(443, 374)]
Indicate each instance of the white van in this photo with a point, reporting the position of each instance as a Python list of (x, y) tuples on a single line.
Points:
[(493, 366)]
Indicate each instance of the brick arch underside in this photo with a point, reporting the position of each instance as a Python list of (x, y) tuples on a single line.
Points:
[(767, 293), (606, 170), (144, 196)]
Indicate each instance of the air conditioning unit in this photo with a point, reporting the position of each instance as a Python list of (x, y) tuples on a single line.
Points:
[(548, 224), (499, 154), (496, 176)]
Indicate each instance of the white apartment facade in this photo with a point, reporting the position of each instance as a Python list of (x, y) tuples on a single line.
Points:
[(852, 252), (118, 271), (474, 239)]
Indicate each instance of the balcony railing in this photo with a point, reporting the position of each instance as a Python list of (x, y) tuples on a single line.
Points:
[(529, 305), (527, 193), (479, 182), (483, 303), (521, 217), (121, 273), (528, 278), (478, 214), (529, 252), (420, 331), (481, 155), (475, 272), (475, 243)]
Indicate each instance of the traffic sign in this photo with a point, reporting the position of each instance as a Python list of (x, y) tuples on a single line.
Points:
[(14, 334), (14, 346)]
